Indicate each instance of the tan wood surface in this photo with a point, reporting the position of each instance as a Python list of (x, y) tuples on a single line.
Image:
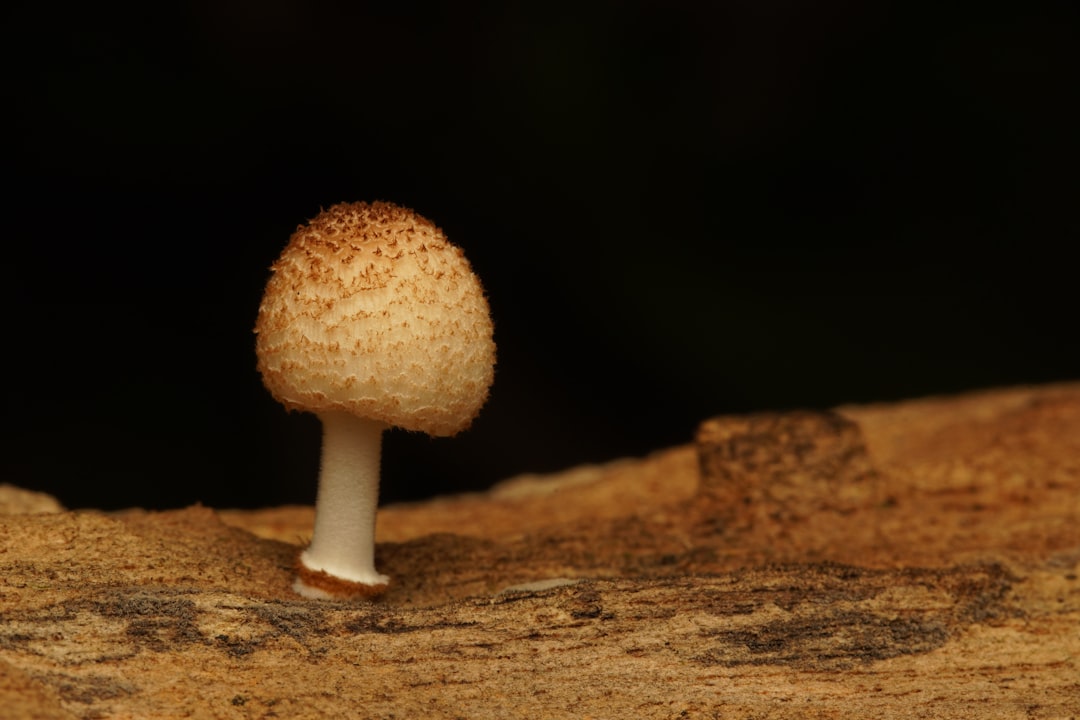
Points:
[(910, 560)]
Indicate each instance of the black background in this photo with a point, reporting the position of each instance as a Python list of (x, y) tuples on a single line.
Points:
[(678, 210)]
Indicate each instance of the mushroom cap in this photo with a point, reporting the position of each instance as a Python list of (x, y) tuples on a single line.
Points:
[(371, 310)]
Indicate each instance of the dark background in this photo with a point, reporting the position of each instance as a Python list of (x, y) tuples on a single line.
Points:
[(678, 210)]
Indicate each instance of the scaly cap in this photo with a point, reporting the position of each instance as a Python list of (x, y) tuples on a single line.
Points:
[(372, 311)]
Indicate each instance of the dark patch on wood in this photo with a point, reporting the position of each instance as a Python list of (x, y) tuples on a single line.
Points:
[(826, 640), (390, 623), (837, 616), (155, 622), (88, 689), (586, 604), (301, 622)]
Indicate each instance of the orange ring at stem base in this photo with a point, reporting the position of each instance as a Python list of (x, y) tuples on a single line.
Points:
[(335, 587)]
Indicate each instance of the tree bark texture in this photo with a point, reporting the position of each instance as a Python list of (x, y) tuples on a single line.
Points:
[(911, 560)]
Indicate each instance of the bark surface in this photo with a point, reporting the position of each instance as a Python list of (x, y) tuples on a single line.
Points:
[(918, 559)]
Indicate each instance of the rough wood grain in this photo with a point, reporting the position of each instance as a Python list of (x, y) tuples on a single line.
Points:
[(911, 560)]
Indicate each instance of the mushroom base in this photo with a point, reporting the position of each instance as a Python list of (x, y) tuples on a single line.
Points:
[(321, 585)]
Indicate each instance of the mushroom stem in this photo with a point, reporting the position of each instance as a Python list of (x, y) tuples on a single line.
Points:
[(343, 543)]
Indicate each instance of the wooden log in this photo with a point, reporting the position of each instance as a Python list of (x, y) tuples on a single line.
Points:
[(910, 560)]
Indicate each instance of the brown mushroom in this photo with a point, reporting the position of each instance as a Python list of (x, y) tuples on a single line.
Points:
[(371, 319)]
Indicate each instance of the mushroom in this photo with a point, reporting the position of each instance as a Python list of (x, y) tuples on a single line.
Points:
[(371, 319)]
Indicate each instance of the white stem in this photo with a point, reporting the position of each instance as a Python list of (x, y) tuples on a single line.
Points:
[(343, 543)]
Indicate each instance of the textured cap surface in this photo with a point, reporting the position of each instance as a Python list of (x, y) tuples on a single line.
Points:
[(372, 311)]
